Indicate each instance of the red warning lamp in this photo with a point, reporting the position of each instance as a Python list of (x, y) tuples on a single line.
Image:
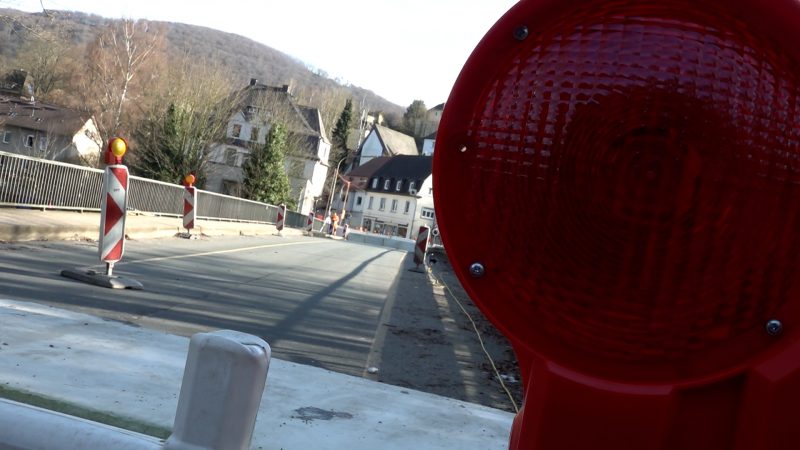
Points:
[(116, 150), (645, 158)]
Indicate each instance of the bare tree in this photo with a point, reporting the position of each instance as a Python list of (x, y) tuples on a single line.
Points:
[(122, 55), (44, 57), (181, 120)]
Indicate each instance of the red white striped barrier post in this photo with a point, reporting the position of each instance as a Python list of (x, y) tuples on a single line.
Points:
[(113, 209), (310, 223), (189, 204), (281, 218), (421, 248)]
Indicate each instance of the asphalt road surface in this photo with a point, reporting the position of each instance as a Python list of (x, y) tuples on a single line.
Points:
[(328, 303), (316, 301)]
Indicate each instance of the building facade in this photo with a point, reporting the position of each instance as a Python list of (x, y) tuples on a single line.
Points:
[(42, 130), (398, 197), (383, 141), (308, 147)]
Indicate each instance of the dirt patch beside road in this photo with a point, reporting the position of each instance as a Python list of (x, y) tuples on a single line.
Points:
[(426, 342)]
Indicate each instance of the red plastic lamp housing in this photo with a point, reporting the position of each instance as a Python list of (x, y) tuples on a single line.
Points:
[(627, 173)]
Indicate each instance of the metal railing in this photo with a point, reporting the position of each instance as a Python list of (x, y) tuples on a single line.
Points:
[(39, 183)]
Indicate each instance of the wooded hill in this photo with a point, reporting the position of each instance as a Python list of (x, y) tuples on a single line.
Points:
[(243, 57)]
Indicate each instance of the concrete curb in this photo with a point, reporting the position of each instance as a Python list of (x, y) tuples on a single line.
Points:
[(27, 225)]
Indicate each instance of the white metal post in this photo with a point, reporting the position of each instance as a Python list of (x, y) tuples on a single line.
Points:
[(223, 382)]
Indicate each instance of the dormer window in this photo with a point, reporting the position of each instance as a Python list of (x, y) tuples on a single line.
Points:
[(386, 185), (399, 185), (412, 187), (374, 183)]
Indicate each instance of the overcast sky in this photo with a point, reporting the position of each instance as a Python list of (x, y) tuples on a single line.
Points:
[(401, 49)]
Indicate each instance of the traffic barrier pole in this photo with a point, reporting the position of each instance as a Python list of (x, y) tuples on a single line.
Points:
[(189, 204), (113, 207), (420, 248), (113, 211), (281, 218)]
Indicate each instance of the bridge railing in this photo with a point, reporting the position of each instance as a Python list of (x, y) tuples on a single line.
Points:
[(38, 183)]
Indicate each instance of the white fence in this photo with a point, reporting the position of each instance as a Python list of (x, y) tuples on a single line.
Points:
[(39, 183)]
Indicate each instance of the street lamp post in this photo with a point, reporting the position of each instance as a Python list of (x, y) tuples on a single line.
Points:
[(333, 185), (344, 204)]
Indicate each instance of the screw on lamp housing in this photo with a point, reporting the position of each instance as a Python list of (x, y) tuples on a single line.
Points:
[(774, 327), (521, 33), (477, 270)]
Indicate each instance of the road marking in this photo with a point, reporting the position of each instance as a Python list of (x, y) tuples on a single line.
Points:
[(218, 252)]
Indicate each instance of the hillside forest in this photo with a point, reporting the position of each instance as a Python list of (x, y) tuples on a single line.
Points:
[(127, 73)]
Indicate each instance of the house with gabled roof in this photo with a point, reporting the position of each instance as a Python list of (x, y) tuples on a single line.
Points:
[(308, 146), (42, 130), (353, 196), (398, 196), (383, 141)]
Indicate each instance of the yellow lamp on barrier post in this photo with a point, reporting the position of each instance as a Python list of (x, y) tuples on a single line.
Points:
[(189, 180), (116, 150)]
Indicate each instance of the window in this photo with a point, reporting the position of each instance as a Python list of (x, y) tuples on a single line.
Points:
[(398, 186), (236, 131), (386, 185), (427, 213), (394, 205), (412, 186), (382, 204), (369, 204), (42, 143), (6, 137), (358, 201), (374, 183), (254, 134), (231, 187), (408, 206), (29, 141), (230, 156)]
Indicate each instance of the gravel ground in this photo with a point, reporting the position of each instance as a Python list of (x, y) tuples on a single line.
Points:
[(429, 343)]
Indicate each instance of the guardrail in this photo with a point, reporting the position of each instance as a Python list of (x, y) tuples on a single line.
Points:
[(39, 183), (224, 378)]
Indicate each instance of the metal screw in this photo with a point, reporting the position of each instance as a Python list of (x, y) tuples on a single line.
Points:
[(774, 327), (520, 33), (477, 270)]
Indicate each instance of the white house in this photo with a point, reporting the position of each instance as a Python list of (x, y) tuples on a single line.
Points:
[(356, 193), (398, 197), (42, 130), (383, 141), (308, 146)]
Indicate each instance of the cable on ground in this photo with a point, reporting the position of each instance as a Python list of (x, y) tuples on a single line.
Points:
[(480, 339)]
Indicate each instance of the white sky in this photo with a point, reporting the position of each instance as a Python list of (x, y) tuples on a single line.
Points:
[(401, 49)]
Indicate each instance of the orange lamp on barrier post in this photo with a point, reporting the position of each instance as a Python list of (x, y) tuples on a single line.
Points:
[(646, 155)]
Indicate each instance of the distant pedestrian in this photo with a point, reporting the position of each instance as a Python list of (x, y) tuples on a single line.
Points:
[(344, 229), (334, 222)]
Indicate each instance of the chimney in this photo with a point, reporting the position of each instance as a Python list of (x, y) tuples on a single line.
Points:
[(253, 81)]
